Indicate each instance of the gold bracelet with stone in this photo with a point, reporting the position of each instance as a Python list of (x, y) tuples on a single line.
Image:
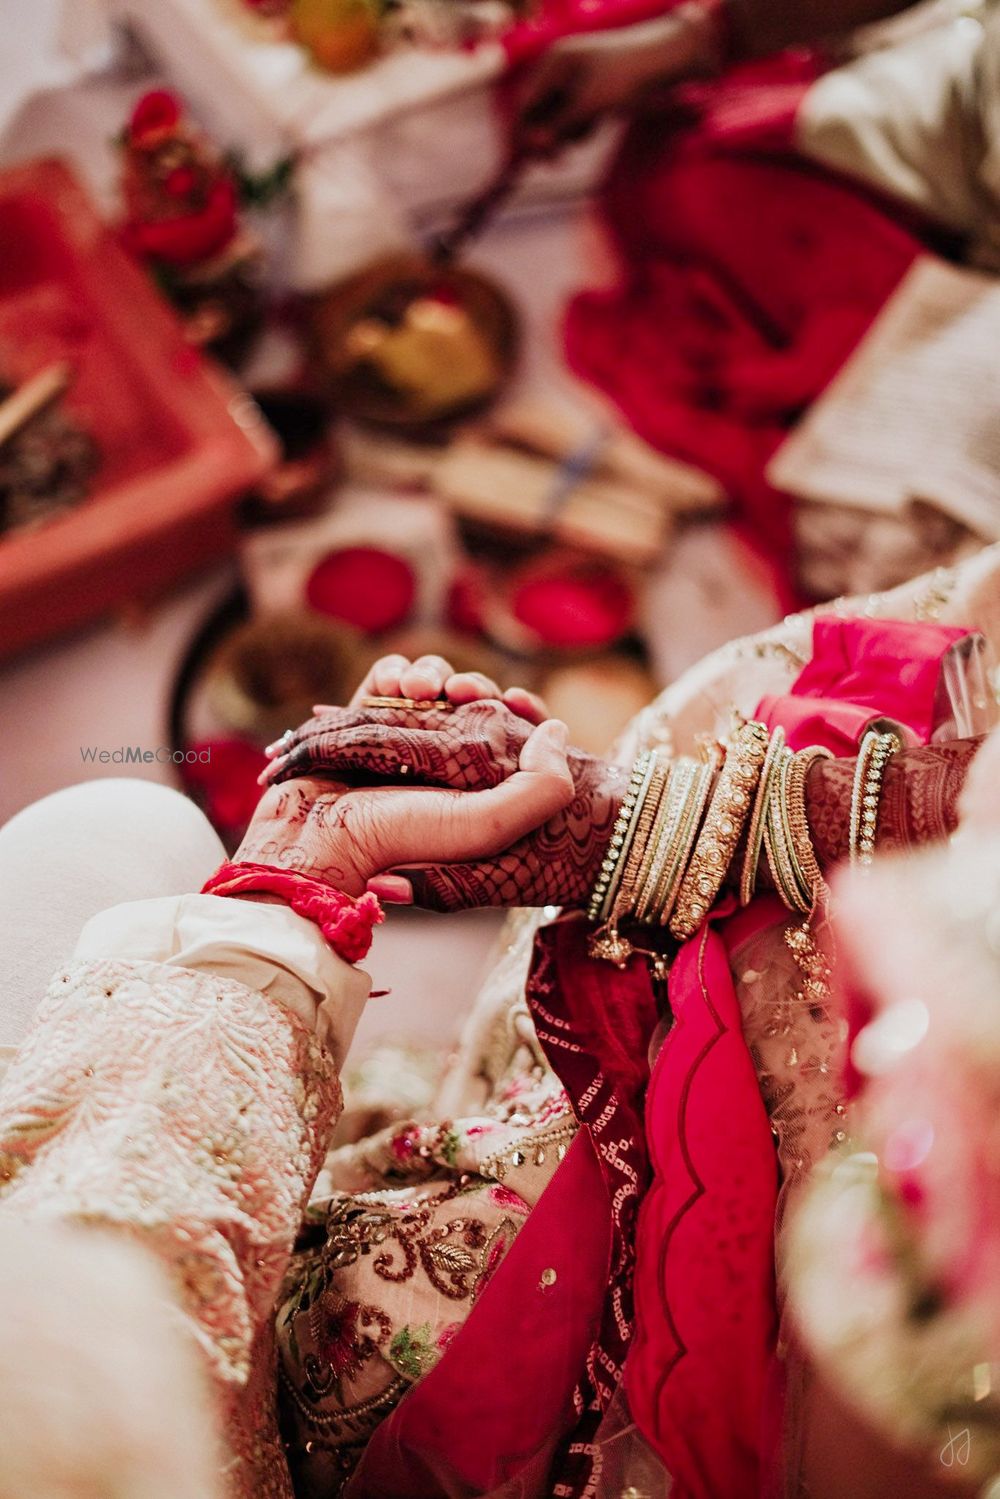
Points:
[(680, 778), (640, 849), (758, 817), (643, 850), (877, 749), (807, 870), (725, 820), (609, 874), (778, 840)]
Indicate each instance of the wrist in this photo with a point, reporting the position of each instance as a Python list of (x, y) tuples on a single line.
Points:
[(346, 923)]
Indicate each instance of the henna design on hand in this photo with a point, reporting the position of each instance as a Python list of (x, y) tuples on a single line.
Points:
[(470, 748), (304, 826), (555, 865), (920, 796)]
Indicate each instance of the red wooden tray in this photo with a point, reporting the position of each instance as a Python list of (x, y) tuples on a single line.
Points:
[(179, 441)]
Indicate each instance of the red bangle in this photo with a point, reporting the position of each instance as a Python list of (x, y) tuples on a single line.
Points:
[(346, 923)]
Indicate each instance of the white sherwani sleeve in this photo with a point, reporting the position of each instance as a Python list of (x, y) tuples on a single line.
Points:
[(180, 1085)]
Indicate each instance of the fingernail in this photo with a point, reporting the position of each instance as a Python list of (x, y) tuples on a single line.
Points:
[(392, 888), (558, 732), (271, 770)]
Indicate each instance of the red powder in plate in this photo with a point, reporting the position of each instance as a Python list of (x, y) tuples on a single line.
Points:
[(463, 608), (578, 609), (367, 588)]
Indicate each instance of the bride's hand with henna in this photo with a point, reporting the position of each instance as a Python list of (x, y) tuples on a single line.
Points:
[(472, 742), (345, 835)]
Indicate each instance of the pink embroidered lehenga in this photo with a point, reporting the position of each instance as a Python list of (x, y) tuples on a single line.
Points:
[(452, 1311)]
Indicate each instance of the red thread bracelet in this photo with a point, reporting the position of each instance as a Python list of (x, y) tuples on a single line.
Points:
[(346, 923)]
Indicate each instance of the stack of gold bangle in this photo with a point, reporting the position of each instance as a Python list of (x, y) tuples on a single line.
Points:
[(607, 881), (790, 854), (725, 820), (675, 832), (640, 856), (808, 874), (877, 749), (682, 824), (758, 818), (778, 839)]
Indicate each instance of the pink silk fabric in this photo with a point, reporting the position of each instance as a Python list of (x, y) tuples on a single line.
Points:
[(702, 1377), (863, 669)]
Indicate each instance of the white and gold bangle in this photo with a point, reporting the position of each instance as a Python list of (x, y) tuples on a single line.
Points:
[(640, 857), (679, 781), (689, 826), (877, 749), (611, 866)]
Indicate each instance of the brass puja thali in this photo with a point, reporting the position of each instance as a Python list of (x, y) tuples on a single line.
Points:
[(408, 343)]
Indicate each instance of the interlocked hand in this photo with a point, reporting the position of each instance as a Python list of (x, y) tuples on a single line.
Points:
[(472, 742)]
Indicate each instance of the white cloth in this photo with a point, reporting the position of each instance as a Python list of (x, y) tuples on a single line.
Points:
[(75, 853), (919, 120), (266, 947)]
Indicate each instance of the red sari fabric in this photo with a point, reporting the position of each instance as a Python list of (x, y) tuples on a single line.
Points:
[(747, 276), (704, 1355)]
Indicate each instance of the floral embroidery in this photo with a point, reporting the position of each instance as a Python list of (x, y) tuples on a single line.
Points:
[(193, 1113), (412, 1351), (504, 1197)]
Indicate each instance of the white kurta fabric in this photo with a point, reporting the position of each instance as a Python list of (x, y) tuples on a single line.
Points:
[(265, 947)]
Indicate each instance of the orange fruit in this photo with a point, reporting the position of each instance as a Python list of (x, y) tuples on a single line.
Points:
[(339, 34)]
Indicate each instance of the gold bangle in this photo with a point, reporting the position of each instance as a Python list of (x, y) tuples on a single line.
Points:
[(758, 817), (640, 850), (409, 704), (807, 869), (725, 820), (679, 779), (607, 883), (877, 749), (689, 825), (644, 766), (778, 840), (643, 844)]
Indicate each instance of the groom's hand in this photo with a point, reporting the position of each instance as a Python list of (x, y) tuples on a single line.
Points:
[(470, 740)]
